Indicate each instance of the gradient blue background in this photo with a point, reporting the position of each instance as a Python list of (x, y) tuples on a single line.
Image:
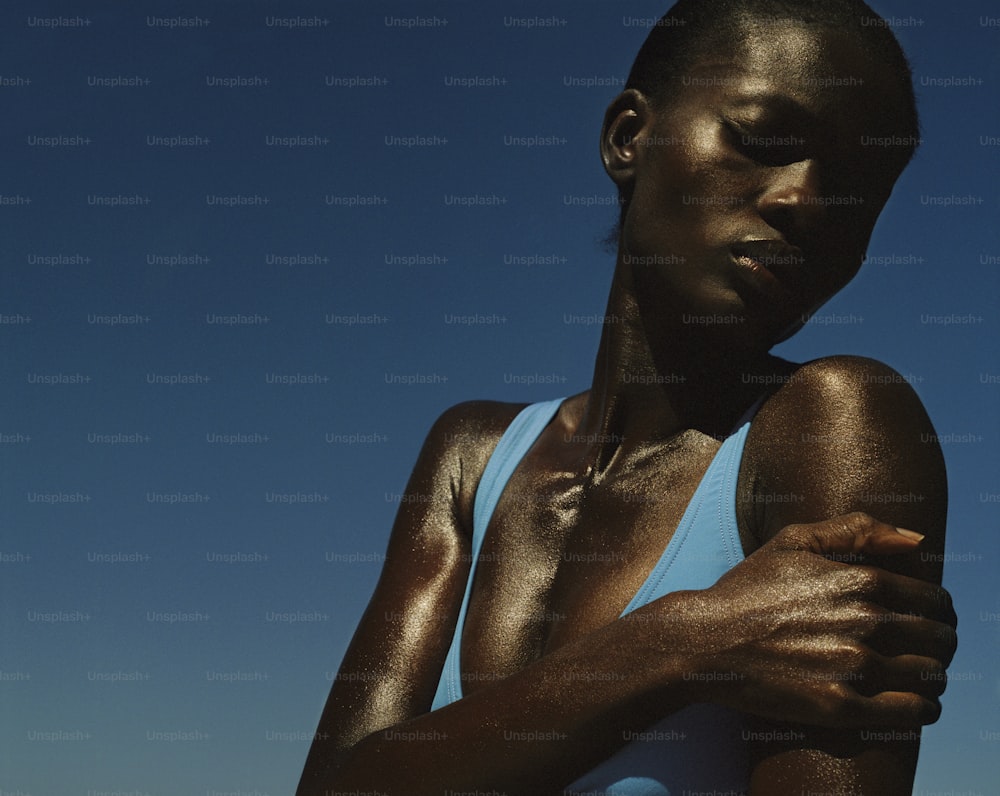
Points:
[(101, 700)]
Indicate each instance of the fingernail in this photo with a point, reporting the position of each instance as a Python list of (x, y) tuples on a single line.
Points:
[(910, 534)]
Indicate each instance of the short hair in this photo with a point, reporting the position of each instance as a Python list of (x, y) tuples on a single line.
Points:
[(688, 30)]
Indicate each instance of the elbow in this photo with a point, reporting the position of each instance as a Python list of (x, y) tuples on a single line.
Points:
[(336, 771)]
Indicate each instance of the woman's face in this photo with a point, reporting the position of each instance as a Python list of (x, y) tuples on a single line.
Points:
[(754, 193)]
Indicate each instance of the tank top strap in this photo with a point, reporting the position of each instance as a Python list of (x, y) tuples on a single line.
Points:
[(706, 543), (515, 442)]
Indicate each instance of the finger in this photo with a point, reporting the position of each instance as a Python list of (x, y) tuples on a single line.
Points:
[(909, 673), (848, 535), (902, 709), (906, 595), (901, 634)]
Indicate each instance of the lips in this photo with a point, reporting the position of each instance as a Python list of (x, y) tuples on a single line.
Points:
[(770, 264), (776, 256)]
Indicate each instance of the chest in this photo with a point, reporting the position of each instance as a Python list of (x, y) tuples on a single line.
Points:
[(562, 557)]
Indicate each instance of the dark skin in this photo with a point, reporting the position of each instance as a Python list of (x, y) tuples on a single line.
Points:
[(834, 649)]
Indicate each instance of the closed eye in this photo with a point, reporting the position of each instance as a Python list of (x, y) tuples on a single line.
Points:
[(767, 147)]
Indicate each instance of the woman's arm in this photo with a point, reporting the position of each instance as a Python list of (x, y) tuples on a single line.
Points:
[(538, 730), (850, 434), (531, 732)]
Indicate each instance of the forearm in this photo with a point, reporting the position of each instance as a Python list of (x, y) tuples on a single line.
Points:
[(537, 730), (784, 634)]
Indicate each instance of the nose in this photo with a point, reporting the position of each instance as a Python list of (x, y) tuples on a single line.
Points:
[(792, 200)]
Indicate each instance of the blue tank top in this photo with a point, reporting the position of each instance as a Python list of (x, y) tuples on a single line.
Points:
[(701, 748)]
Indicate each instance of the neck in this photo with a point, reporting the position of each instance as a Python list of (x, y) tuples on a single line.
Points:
[(643, 393)]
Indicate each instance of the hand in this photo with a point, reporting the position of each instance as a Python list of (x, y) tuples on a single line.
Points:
[(804, 630)]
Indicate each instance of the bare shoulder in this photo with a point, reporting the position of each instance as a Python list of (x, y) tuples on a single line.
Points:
[(471, 422), (856, 395), (843, 400), (843, 434), (459, 444)]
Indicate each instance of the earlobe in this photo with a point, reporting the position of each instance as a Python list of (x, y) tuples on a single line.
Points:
[(624, 123)]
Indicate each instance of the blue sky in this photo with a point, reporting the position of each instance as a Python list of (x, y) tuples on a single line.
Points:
[(208, 419)]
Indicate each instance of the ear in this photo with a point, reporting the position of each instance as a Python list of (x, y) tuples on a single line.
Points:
[(627, 121)]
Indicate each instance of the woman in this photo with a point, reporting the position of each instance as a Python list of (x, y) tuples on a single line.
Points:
[(596, 595)]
